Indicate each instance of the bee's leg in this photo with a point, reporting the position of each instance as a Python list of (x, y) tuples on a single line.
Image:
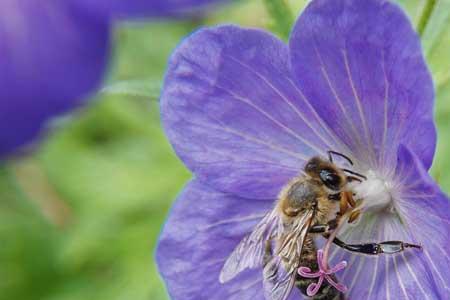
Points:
[(354, 216), (350, 199), (388, 247), (346, 202), (343, 205), (320, 228), (324, 228)]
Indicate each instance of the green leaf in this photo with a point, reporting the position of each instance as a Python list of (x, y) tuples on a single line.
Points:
[(281, 15)]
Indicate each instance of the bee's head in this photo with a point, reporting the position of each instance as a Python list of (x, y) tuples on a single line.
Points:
[(326, 172)]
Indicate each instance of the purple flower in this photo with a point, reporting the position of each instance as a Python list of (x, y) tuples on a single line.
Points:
[(53, 55), (244, 112), (150, 8)]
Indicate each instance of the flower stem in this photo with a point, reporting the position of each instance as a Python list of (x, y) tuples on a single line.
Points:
[(281, 15), (425, 16), (38, 191)]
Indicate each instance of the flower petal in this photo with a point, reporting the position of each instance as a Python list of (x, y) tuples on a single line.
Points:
[(203, 229), (52, 56), (362, 63), (426, 210), (421, 216), (234, 115), (152, 8)]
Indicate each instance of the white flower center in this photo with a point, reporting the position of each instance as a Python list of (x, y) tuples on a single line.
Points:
[(375, 192)]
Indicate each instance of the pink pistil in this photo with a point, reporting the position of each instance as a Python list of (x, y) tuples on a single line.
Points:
[(324, 273)]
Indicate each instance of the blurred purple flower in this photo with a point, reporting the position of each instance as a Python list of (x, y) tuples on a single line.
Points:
[(53, 55), (245, 124), (151, 8)]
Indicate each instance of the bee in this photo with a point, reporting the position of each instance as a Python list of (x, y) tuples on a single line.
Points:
[(283, 240)]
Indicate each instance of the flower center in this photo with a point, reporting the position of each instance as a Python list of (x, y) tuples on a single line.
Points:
[(376, 192)]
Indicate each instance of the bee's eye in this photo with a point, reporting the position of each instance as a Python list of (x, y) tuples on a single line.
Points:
[(330, 179), (311, 166)]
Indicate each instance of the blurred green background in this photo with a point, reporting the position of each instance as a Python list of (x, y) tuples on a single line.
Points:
[(79, 219)]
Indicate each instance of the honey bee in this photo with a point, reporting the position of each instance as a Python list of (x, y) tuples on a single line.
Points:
[(284, 239)]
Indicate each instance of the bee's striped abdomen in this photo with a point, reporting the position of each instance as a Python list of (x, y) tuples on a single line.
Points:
[(309, 259)]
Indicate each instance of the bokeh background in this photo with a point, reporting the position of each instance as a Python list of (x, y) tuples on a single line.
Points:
[(80, 217)]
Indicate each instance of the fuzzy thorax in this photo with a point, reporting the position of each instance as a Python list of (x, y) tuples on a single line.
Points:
[(376, 192)]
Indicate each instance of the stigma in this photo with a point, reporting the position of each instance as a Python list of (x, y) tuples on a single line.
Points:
[(375, 193)]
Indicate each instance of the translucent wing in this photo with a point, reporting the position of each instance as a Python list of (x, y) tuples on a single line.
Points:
[(281, 270), (249, 253), (278, 281)]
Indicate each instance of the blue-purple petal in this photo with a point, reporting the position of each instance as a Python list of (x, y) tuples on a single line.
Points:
[(202, 230), (426, 211), (52, 56), (362, 64), (234, 115)]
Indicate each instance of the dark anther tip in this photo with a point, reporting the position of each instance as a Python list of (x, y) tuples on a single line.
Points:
[(414, 246)]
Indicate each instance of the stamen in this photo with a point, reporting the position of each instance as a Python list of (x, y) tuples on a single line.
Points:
[(323, 273), (376, 192)]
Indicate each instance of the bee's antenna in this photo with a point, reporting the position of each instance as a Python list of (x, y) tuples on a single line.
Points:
[(354, 173), (330, 157), (353, 178)]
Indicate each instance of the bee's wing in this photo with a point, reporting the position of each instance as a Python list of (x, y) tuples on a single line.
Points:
[(249, 253), (280, 272), (278, 281)]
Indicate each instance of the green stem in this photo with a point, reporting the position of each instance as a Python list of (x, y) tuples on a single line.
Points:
[(425, 16), (443, 81), (282, 16), (439, 37), (38, 191)]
